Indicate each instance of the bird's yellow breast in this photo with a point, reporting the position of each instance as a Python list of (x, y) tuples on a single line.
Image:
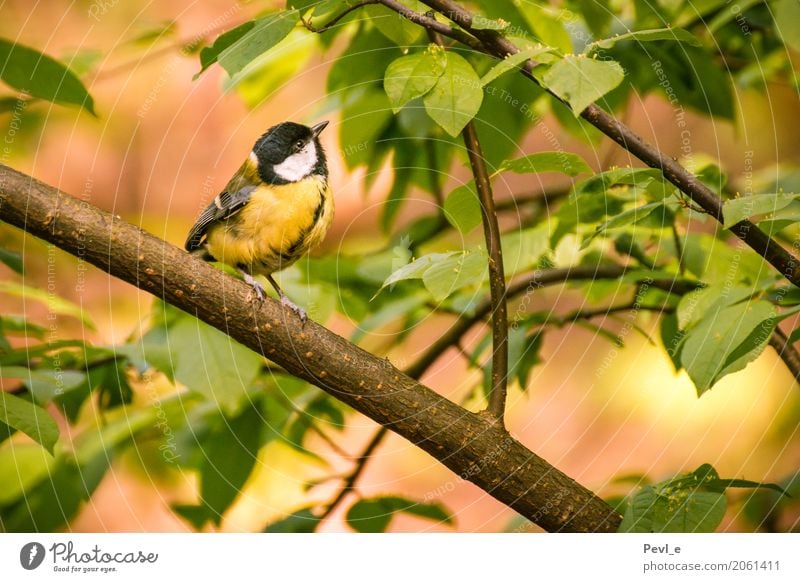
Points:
[(276, 227)]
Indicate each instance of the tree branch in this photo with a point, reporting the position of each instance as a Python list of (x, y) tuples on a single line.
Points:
[(430, 23), (352, 477), (493, 43), (469, 444), (332, 22), (497, 278), (537, 280), (787, 352)]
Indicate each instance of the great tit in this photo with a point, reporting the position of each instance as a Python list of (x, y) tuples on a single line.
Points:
[(275, 208)]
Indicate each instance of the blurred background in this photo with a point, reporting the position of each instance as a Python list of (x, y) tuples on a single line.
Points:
[(163, 145)]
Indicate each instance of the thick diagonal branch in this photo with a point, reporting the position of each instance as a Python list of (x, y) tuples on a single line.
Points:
[(469, 444)]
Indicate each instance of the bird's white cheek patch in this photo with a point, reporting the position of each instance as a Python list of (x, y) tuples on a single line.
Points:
[(299, 165)]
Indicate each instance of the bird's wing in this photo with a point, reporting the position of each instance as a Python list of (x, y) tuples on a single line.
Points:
[(230, 201)]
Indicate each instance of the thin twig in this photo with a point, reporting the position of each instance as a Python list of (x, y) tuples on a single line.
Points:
[(786, 351), (289, 405), (351, 479), (536, 281), (610, 310), (430, 23), (497, 278), (678, 249), (331, 23)]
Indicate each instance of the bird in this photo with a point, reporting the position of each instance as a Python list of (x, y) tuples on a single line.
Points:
[(274, 209)]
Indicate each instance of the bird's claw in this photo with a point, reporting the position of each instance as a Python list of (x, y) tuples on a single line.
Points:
[(259, 292), (298, 310), (258, 289)]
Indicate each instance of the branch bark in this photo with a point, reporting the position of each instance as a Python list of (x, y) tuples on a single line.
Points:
[(495, 44), (786, 351), (472, 446)]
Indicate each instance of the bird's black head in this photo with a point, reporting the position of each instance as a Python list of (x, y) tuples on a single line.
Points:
[(289, 152)]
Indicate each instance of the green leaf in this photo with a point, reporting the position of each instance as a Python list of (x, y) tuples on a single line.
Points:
[(456, 97), (787, 21), (230, 455), (148, 35), (148, 355), (672, 338), (413, 76), (243, 46), (523, 353), (396, 28), (546, 26), (301, 521), (581, 81), (724, 16), (274, 69), (597, 15), (364, 60), (678, 511), (539, 53), (12, 260), (119, 428), (22, 467), (45, 384), (303, 5), (36, 74), (373, 515), (524, 249), (26, 417), (210, 363), (696, 305), (653, 215), (54, 303), (405, 163), (563, 162), (448, 276), (744, 207), (416, 268), (674, 34), (55, 499), (365, 117), (710, 479), (692, 77), (197, 515), (726, 340), (462, 208), (15, 324)]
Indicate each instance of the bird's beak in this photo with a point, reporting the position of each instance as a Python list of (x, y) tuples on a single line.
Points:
[(317, 129)]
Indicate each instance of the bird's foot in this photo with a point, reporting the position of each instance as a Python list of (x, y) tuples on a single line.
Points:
[(294, 307), (258, 289)]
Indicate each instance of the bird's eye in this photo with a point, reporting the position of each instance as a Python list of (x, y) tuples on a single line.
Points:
[(298, 145)]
